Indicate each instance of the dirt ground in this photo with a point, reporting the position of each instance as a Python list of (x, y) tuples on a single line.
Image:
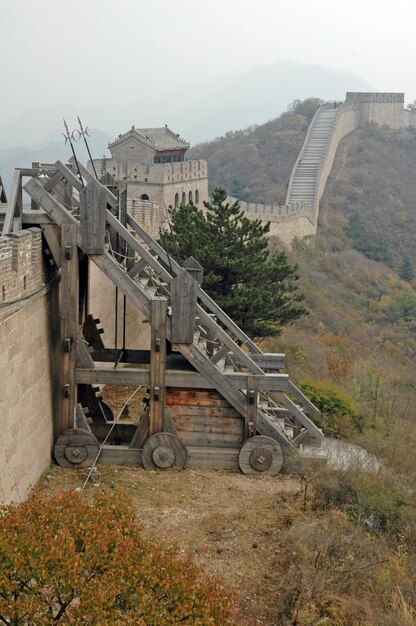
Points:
[(227, 521)]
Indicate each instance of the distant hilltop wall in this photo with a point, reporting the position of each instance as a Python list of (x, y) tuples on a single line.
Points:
[(286, 221), (300, 219)]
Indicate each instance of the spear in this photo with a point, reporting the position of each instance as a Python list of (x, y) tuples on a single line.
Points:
[(68, 138), (85, 134)]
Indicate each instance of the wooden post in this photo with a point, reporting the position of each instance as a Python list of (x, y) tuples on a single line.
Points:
[(69, 325), (92, 213), (184, 294), (251, 409), (159, 307), (194, 268)]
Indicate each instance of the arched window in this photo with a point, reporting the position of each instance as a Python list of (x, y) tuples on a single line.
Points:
[(184, 198), (176, 200), (144, 196), (190, 198), (196, 196)]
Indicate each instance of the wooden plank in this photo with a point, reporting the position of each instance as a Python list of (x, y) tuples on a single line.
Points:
[(134, 292), (111, 376), (52, 182), (84, 358), (69, 326), (15, 205), (220, 354), (195, 412), (194, 268), (50, 204), (35, 218), (186, 379), (137, 268), (169, 426), (69, 175), (183, 301), (120, 455), (92, 213), (142, 431), (302, 399), (212, 458), (119, 355), (138, 247), (215, 440), (219, 427), (35, 171), (80, 419), (265, 382), (303, 419), (251, 406), (269, 361), (159, 307), (180, 397), (50, 232), (133, 376)]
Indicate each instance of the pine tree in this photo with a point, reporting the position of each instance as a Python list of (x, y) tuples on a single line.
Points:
[(406, 270), (256, 289)]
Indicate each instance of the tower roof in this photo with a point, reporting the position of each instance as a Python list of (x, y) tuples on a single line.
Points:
[(156, 138)]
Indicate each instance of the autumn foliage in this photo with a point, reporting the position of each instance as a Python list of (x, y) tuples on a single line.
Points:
[(70, 559)]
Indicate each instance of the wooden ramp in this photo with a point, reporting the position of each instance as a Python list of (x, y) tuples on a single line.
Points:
[(230, 405)]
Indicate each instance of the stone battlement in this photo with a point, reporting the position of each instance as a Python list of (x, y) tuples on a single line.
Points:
[(368, 96), (22, 269)]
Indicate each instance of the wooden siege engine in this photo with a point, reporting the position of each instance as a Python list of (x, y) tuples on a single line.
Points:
[(215, 399)]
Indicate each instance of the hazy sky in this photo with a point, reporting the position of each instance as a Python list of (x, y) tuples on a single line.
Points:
[(87, 51)]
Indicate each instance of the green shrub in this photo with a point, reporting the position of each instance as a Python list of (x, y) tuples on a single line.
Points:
[(370, 499), (338, 415)]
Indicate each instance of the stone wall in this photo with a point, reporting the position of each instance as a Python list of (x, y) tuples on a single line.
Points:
[(167, 184), (29, 339), (102, 301), (286, 221)]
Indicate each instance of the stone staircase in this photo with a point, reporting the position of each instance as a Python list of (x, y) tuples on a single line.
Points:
[(305, 175)]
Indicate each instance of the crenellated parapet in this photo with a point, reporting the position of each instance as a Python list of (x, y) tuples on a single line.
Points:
[(22, 267)]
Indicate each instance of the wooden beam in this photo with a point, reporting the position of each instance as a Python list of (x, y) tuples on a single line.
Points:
[(295, 411), (120, 355), (69, 326), (159, 307), (50, 232), (35, 217), (14, 206), (92, 212), (251, 404), (183, 301), (112, 376), (269, 361)]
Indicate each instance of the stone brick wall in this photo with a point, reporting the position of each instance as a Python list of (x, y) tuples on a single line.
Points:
[(102, 299), (29, 339), (286, 221)]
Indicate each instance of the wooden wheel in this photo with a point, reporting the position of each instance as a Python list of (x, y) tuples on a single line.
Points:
[(261, 455), (76, 447), (163, 450)]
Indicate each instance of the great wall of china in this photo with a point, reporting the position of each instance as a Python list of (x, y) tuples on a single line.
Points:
[(29, 296), (298, 217)]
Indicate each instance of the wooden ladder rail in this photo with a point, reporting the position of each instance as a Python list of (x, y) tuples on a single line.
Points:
[(119, 276), (246, 359)]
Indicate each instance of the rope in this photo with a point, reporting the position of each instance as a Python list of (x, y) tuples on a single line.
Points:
[(108, 434)]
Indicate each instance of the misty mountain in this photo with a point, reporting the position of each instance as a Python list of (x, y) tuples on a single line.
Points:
[(198, 113)]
